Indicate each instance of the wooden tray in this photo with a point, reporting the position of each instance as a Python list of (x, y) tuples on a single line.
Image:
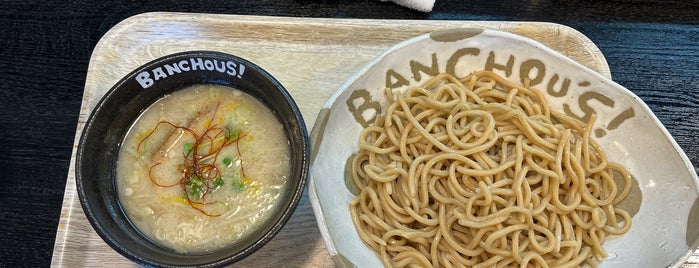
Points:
[(311, 57)]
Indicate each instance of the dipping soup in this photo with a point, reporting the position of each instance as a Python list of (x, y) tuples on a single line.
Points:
[(202, 167)]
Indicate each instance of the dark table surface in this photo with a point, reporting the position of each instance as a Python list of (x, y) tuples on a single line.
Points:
[(652, 48)]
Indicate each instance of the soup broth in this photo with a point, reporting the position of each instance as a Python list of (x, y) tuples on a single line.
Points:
[(202, 167)]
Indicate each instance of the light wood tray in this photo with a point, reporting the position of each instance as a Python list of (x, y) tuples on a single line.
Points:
[(311, 57)]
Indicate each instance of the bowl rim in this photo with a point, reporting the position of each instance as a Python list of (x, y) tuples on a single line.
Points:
[(295, 194)]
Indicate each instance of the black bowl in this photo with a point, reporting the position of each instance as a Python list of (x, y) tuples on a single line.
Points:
[(104, 132)]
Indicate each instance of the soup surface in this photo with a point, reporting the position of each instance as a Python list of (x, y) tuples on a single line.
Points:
[(202, 167)]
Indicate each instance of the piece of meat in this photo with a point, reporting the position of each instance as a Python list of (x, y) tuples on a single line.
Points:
[(201, 120)]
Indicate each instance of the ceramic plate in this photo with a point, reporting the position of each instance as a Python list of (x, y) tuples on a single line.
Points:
[(664, 202)]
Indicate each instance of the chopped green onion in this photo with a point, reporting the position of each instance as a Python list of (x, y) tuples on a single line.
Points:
[(232, 133), (218, 182), (238, 186), (227, 161), (188, 148), (195, 186)]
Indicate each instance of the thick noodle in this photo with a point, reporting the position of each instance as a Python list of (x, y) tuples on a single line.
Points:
[(479, 172)]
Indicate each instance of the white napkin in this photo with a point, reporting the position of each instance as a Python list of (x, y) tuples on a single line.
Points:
[(419, 5)]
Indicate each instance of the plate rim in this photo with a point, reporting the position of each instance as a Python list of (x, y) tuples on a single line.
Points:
[(319, 125)]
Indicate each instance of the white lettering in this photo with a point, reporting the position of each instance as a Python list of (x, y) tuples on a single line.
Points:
[(232, 68), (144, 80), (197, 64), (158, 73), (184, 65), (221, 68), (209, 65), (172, 69), (147, 79), (242, 70)]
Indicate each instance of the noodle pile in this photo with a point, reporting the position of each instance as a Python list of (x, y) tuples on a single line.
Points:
[(478, 172)]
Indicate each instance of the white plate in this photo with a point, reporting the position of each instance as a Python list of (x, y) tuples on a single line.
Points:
[(664, 230)]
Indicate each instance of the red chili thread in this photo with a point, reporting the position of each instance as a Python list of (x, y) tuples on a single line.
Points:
[(194, 161)]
